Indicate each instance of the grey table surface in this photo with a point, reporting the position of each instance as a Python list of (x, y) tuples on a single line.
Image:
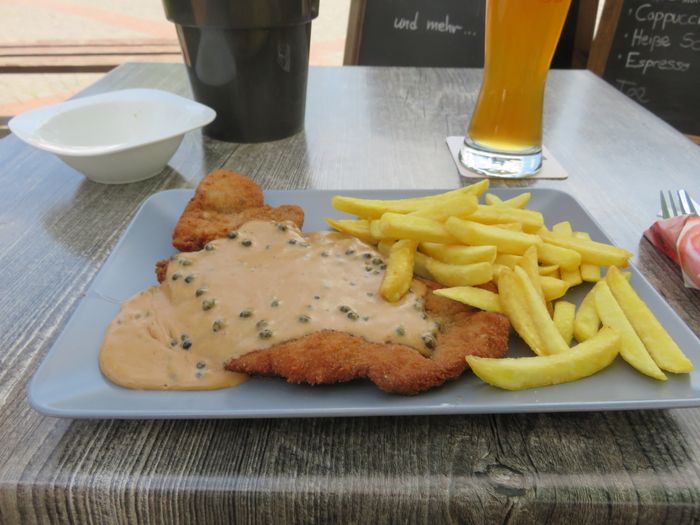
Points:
[(365, 128)]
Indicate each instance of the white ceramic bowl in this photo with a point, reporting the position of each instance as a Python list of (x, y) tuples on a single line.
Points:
[(116, 137)]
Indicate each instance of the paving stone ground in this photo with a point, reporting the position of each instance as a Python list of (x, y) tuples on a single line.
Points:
[(31, 21)]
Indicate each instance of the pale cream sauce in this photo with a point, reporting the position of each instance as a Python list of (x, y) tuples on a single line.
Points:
[(265, 284)]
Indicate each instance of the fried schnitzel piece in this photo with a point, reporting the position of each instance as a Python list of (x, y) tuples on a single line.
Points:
[(329, 356), (223, 201)]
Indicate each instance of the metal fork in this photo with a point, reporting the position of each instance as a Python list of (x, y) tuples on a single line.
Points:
[(683, 206)]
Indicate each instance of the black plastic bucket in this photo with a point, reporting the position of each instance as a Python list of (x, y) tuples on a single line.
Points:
[(249, 61)]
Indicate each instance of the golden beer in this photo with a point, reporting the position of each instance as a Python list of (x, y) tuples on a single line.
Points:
[(521, 36)]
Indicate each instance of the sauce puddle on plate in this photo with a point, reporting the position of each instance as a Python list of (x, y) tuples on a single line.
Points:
[(264, 284)]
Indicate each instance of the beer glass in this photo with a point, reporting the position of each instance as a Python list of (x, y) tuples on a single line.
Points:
[(505, 134)]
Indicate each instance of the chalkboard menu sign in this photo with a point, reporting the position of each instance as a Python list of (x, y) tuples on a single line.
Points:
[(654, 58), (430, 33), (446, 33)]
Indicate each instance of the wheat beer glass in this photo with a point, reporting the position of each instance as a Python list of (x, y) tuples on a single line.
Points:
[(505, 134)]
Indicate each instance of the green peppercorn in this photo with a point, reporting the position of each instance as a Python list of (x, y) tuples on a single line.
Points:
[(233, 234), (367, 255), (429, 341), (377, 261), (218, 325), (201, 364), (282, 227), (265, 334), (349, 252), (247, 243), (292, 241), (261, 324), (186, 344), (176, 276), (353, 316), (275, 303), (344, 308), (248, 312), (304, 318), (189, 278), (401, 331), (208, 304), (200, 292), (209, 247), (184, 262)]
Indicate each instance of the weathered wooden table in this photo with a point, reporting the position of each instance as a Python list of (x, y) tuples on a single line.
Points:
[(366, 128)]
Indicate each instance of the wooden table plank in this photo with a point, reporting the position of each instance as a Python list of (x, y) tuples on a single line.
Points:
[(366, 128)]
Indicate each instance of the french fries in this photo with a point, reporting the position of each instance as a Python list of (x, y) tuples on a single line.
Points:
[(509, 260), (374, 209), (375, 229), (551, 270), (570, 275), (514, 306), (553, 288), (563, 318), (461, 205), (519, 201), (452, 239), (529, 264), (565, 258), (583, 360), (399, 271), (589, 272), (591, 252), (357, 228), (512, 226), (586, 322), (397, 226), (474, 233), (663, 349), (550, 338), (459, 274), (457, 254), (632, 349), (420, 266), (530, 220), (476, 297)]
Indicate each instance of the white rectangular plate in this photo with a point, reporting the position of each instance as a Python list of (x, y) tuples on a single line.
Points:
[(69, 383)]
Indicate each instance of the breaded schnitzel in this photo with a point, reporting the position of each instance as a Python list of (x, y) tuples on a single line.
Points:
[(328, 356), (224, 201)]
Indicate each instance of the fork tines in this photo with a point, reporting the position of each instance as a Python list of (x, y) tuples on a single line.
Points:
[(686, 202), (669, 208)]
